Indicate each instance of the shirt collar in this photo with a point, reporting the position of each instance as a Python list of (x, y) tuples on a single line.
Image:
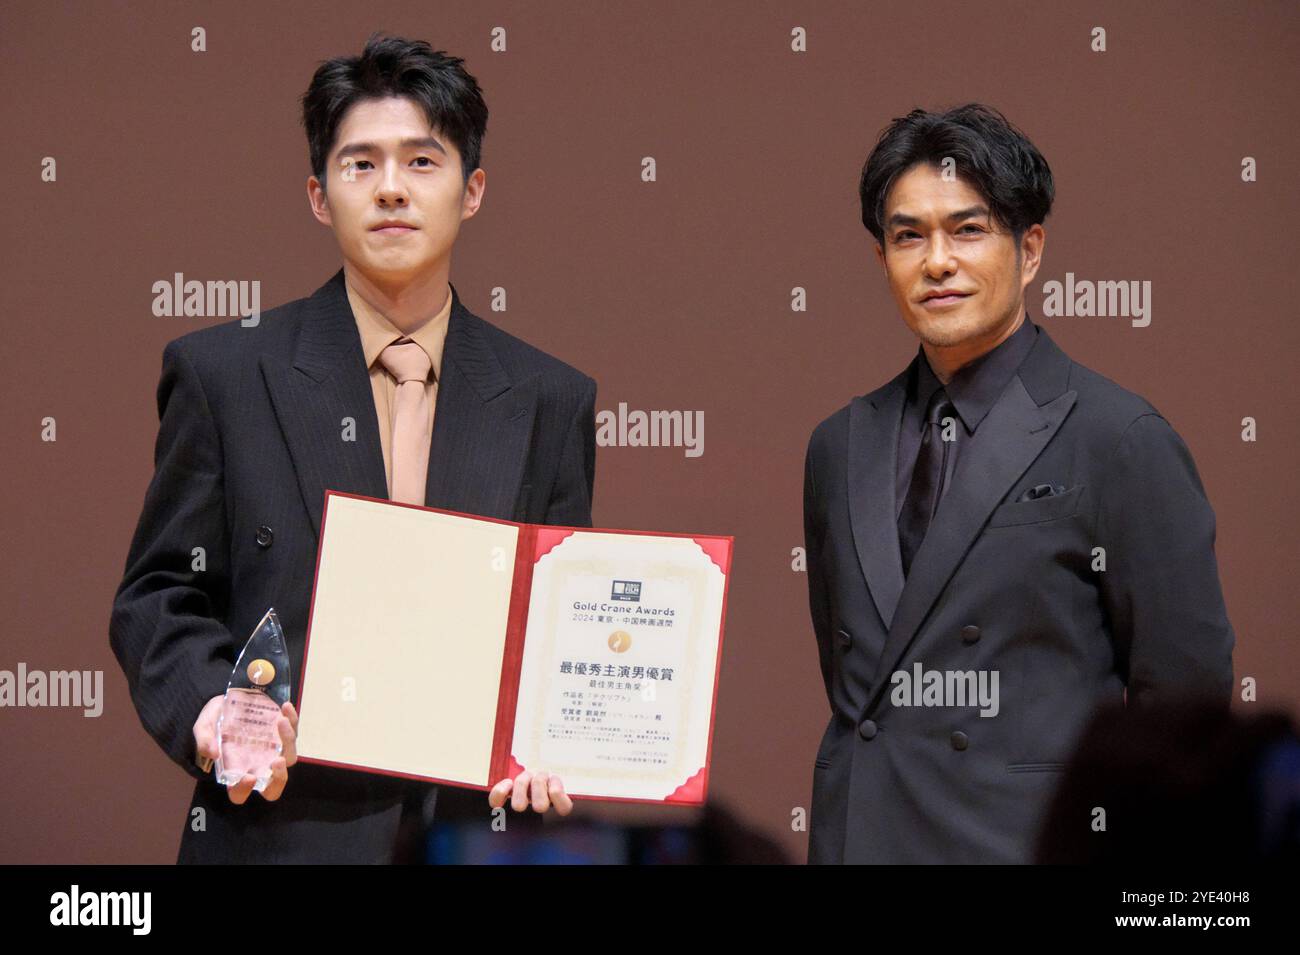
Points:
[(977, 385), (377, 332)]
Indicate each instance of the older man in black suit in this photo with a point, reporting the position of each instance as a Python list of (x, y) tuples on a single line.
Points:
[(999, 539)]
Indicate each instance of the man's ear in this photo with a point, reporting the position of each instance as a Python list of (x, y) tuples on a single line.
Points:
[(1031, 250), (472, 193), (318, 200)]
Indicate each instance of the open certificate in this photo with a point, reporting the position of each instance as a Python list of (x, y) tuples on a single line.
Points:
[(463, 650)]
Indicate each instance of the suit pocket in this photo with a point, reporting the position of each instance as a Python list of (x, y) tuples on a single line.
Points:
[(1051, 508), (1035, 767)]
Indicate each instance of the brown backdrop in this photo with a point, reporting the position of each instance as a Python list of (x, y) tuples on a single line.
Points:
[(673, 294)]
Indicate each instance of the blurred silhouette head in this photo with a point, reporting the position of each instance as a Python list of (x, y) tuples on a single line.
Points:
[(1181, 783)]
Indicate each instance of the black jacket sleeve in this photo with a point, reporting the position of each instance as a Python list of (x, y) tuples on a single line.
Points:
[(818, 604), (166, 627), (1160, 586)]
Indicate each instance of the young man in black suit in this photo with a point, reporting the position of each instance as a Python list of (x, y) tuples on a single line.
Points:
[(380, 383), (999, 539)]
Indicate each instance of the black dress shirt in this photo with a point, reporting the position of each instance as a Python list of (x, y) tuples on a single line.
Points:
[(973, 390)]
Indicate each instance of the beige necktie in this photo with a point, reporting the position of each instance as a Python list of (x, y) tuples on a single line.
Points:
[(409, 364)]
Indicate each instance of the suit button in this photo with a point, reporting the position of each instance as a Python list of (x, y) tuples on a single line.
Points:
[(264, 536), (960, 740), (970, 633), (846, 639), (868, 729)]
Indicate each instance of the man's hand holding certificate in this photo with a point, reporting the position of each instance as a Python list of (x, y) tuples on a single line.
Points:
[(536, 662), (539, 790)]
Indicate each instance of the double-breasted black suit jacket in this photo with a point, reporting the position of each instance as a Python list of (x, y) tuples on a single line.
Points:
[(252, 434), (999, 584)]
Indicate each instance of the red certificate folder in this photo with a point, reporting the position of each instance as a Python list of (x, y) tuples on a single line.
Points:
[(461, 649)]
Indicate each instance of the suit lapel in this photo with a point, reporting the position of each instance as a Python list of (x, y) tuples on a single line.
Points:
[(327, 383), (481, 423), (1022, 422), (874, 421)]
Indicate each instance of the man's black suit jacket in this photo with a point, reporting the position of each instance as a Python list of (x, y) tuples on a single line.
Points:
[(999, 584), (253, 421)]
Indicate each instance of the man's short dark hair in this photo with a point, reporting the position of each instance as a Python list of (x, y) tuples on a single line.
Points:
[(990, 154), (393, 66)]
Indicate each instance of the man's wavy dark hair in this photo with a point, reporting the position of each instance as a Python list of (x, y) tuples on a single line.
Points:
[(990, 154), (393, 66)]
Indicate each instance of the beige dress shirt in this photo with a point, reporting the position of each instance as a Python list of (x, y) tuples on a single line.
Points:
[(377, 333)]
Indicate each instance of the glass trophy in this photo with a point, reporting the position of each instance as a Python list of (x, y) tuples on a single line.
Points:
[(247, 738)]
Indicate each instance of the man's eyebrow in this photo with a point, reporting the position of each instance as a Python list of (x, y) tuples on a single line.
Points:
[(974, 212), (356, 149)]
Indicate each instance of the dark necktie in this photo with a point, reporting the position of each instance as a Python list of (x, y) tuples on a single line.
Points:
[(927, 476)]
